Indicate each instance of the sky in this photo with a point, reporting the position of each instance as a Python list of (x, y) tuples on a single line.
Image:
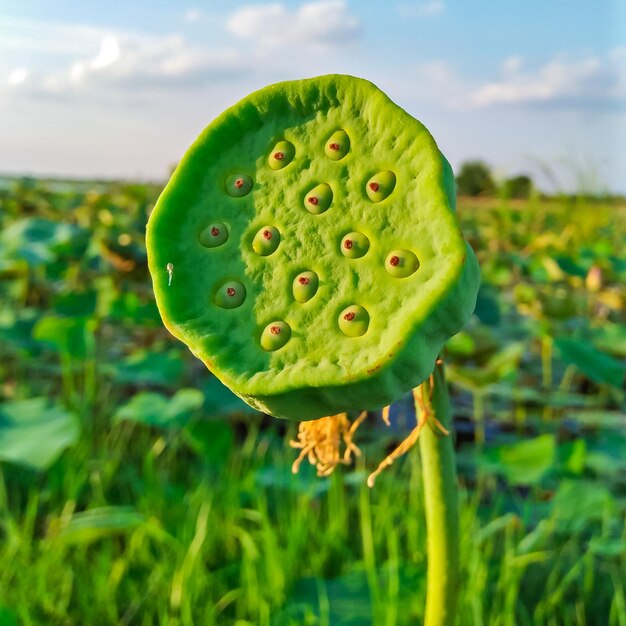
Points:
[(122, 88)]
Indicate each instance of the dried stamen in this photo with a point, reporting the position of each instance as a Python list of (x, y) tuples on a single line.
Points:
[(312, 200), (275, 330), (279, 156), (230, 292), (333, 146), (267, 234), (215, 231), (303, 280), (425, 415), (394, 260), (374, 186), (320, 441), (349, 316), (239, 183), (347, 244)]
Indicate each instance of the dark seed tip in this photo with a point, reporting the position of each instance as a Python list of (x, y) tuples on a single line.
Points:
[(275, 330), (374, 186), (394, 260), (349, 316), (279, 156)]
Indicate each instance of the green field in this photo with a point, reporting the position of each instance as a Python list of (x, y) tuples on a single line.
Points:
[(136, 489)]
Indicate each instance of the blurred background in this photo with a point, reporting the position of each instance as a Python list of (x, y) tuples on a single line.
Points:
[(136, 489)]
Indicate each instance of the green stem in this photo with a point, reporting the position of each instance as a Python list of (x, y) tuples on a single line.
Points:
[(442, 515)]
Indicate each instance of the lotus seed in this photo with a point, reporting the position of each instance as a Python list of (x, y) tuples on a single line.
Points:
[(238, 185), (214, 235), (401, 263), (281, 155), (318, 199), (354, 245), (266, 240), (380, 185), (230, 295), (275, 335), (338, 145), (305, 286), (354, 321)]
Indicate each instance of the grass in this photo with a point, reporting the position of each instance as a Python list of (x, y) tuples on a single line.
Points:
[(159, 499)]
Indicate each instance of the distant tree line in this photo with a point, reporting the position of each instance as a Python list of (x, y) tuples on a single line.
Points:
[(475, 179)]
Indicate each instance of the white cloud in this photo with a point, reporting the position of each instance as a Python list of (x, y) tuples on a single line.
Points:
[(588, 82), (512, 64), (17, 76), (584, 84), (425, 8), (318, 25), (192, 16)]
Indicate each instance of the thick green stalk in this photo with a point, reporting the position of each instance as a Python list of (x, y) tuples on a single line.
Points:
[(441, 499)]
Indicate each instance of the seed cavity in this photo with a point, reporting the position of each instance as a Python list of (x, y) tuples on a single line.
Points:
[(305, 286), (281, 155), (238, 185), (354, 245), (266, 240), (354, 321), (230, 295), (401, 263), (380, 185), (318, 199), (275, 335), (337, 145), (214, 235)]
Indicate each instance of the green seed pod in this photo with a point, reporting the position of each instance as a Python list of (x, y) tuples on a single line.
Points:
[(329, 364), (275, 335), (238, 185), (214, 235), (401, 263), (305, 286), (266, 240), (338, 145), (318, 199), (354, 321), (354, 245), (380, 185), (281, 155), (230, 295)]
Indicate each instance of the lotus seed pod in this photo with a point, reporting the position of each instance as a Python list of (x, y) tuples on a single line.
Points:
[(354, 245), (281, 155), (338, 145), (214, 235), (380, 185), (275, 335), (328, 363), (238, 185), (305, 286), (318, 199), (266, 240), (230, 295), (401, 263)]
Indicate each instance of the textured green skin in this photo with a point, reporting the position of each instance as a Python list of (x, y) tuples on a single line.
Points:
[(319, 371)]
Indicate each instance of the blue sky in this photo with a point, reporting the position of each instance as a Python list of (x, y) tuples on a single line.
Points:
[(122, 88)]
